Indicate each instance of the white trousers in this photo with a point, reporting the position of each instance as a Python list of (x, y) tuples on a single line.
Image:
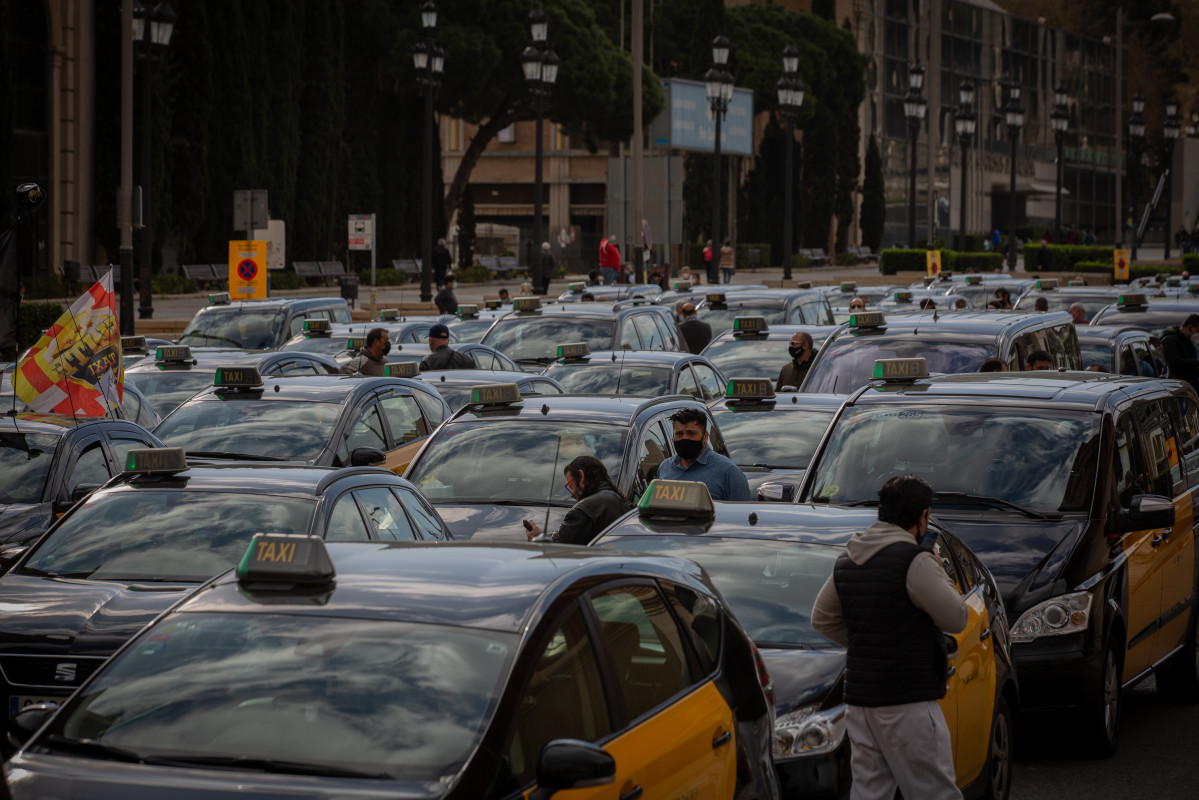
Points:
[(905, 746)]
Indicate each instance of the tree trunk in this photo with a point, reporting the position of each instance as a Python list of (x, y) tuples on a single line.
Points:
[(483, 136)]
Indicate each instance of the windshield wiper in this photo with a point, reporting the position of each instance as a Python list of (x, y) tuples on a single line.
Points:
[(94, 748), (207, 336), (265, 765), (995, 502), (42, 573), (852, 504), (238, 456)]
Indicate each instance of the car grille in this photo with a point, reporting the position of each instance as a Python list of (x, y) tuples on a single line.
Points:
[(51, 672)]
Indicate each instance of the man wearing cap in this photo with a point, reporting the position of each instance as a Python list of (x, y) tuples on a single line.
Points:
[(442, 260), (887, 603), (445, 300), (795, 370), (609, 259), (372, 358), (696, 332), (443, 356)]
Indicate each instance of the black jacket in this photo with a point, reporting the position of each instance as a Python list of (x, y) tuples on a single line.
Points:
[(445, 357), (442, 260), (697, 333), (446, 302), (1180, 356), (590, 516)]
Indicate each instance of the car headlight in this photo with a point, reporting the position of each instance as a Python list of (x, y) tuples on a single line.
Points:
[(808, 732), (1057, 616)]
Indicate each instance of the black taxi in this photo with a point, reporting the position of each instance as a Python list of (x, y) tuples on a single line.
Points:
[(471, 322), (154, 534), (958, 341), (1126, 350), (325, 420), (755, 347), (457, 385), (258, 324), (720, 307), (1076, 490), (499, 459), (460, 671), (48, 461), (637, 372), (769, 561), (1153, 314), (1060, 298)]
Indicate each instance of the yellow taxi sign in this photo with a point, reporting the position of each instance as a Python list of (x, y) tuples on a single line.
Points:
[(155, 460), (682, 286), (526, 304), (715, 297), (356, 343), (136, 344), (237, 377), (676, 499), (389, 314), (1132, 300), (849, 286), (749, 389), (401, 369), (468, 310), (576, 288), (900, 369), (175, 353), (495, 394), (492, 305), (902, 296), (867, 319), (574, 350), (285, 558), (750, 325), (317, 326), (1047, 284)]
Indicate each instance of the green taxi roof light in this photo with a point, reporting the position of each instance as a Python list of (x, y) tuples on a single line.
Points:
[(526, 303), (237, 377), (577, 287), (715, 297), (849, 286), (903, 297), (219, 299), (867, 319), (356, 343), (389, 314), (179, 352), (1193, 288), (285, 559), (155, 460), (492, 305), (971, 280), (1132, 299), (401, 369), (1047, 284), (750, 325), (900, 369), (676, 499), (468, 309), (574, 350), (318, 325), (495, 394), (749, 389), (682, 286)]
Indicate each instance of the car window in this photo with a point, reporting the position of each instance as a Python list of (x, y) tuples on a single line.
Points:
[(646, 646), (90, 467), (297, 325), (1128, 362), (121, 445), (685, 383), (1128, 463), (345, 522), (701, 618), (485, 360), (542, 387), (294, 368), (667, 330), (1188, 439), (1145, 366), (367, 430), (434, 411), (404, 418), (654, 450), (949, 562), (564, 698), (651, 337), (628, 336), (131, 407), (1164, 469), (428, 524), (385, 513), (709, 382)]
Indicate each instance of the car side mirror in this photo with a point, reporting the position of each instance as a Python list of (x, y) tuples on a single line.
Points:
[(367, 457), (1147, 511), (776, 493), (29, 721), (63, 504), (10, 555), (572, 764)]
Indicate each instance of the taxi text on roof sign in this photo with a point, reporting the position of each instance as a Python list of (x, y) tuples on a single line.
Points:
[(867, 319), (526, 303), (903, 297), (495, 394), (715, 297), (317, 325), (221, 299), (972, 280), (237, 377), (1132, 299), (1047, 284), (682, 286), (174, 353), (492, 305), (573, 350), (356, 343), (401, 369), (285, 558), (468, 309), (803, 284), (155, 460), (676, 498), (849, 286), (749, 388), (900, 369), (133, 343), (750, 325)]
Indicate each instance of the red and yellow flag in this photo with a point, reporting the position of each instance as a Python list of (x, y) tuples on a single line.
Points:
[(76, 367)]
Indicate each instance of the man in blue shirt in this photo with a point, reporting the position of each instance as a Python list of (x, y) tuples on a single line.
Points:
[(695, 461)]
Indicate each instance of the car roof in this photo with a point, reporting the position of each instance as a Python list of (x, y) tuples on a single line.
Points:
[(297, 303), (792, 522), (618, 410), (1095, 334), (778, 332), (629, 358), (265, 478), (1090, 390), (781, 295), (209, 358), (316, 388), (458, 377), (963, 323), (790, 401), (491, 586)]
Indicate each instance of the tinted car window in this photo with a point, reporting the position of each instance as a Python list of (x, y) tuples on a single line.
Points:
[(167, 390), (259, 428), (25, 460), (90, 467), (367, 431), (345, 521), (428, 524), (773, 440), (539, 337), (385, 513), (847, 362), (404, 418), (651, 337), (242, 326)]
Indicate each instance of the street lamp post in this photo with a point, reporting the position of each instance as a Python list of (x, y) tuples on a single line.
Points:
[(429, 60), (914, 108), (1170, 131), (719, 85), (964, 123), (152, 29), (1060, 119), (540, 65), (791, 92), (1136, 138), (1014, 113)]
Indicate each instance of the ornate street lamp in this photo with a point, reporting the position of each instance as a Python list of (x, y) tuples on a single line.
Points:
[(791, 92), (1170, 131), (429, 60), (1136, 140), (914, 108), (1014, 114), (964, 122), (540, 64), (719, 85), (1060, 119)]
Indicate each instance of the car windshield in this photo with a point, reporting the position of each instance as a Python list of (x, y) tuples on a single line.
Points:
[(166, 390), (749, 357), (758, 437), (1041, 459), (721, 319), (538, 337), (470, 330), (847, 363), (769, 585), (253, 329), (455, 395), (279, 431), (379, 698), (331, 346), (24, 462), (612, 378), (163, 534), (512, 460), (1062, 302), (1100, 354)]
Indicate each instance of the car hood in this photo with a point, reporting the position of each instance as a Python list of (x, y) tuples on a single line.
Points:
[(803, 677), (78, 616), (497, 522)]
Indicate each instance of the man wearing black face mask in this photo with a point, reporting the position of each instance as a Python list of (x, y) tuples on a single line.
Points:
[(695, 461), (372, 358), (795, 370)]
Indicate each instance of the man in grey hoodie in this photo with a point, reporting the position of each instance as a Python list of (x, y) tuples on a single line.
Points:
[(887, 602)]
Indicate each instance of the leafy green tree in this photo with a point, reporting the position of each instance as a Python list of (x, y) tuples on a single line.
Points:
[(466, 229), (873, 213)]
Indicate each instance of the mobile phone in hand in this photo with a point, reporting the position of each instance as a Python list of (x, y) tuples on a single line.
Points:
[(528, 525)]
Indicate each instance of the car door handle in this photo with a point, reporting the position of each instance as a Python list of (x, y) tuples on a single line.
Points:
[(986, 634), (1157, 540), (633, 793), (722, 739)]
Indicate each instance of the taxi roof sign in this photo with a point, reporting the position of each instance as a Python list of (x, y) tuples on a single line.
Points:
[(1132, 300), (1077, 282), (902, 296), (750, 325), (682, 286), (468, 310), (900, 369), (155, 460), (578, 287), (676, 499), (715, 297), (389, 314), (492, 305), (574, 350), (495, 394), (317, 326), (1047, 284), (219, 299), (175, 353), (525, 304), (974, 280), (356, 343), (134, 343), (287, 559), (867, 319), (1193, 288), (237, 377), (803, 284), (849, 286), (749, 389), (401, 369)]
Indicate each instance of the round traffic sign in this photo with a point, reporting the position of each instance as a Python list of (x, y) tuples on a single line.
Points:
[(247, 269)]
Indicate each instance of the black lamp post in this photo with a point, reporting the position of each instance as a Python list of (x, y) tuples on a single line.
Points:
[(1060, 119), (1014, 113), (964, 122), (540, 64), (152, 29), (1136, 139), (791, 92), (719, 84), (1170, 131), (429, 60), (914, 108)]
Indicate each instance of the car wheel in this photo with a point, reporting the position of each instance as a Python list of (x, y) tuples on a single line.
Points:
[(1178, 679), (1101, 716), (999, 757)]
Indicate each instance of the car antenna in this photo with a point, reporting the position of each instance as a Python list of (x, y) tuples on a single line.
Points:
[(619, 372), (549, 498)]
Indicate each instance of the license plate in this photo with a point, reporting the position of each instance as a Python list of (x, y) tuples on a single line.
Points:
[(18, 702)]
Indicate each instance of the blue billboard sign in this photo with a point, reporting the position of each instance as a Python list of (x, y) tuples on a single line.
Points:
[(688, 124)]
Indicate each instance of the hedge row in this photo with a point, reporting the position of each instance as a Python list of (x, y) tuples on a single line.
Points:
[(1065, 256), (893, 261), (33, 321), (1190, 262), (1135, 270)]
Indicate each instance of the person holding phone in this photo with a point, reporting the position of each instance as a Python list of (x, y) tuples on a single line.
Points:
[(887, 603), (599, 504)]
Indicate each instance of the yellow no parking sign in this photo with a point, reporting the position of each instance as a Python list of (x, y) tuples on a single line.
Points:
[(247, 270)]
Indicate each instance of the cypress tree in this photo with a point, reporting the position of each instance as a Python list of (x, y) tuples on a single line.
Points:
[(466, 229), (874, 200)]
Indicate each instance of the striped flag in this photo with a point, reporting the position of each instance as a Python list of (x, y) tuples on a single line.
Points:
[(76, 367)]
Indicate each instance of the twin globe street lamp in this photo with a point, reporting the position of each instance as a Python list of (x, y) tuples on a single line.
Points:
[(1014, 114), (719, 85), (540, 64), (914, 108), (964, 122), (1060, 120), (429, 60), (791, 93)]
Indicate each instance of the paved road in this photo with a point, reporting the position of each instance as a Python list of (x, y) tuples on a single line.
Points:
[(1158, 758)]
